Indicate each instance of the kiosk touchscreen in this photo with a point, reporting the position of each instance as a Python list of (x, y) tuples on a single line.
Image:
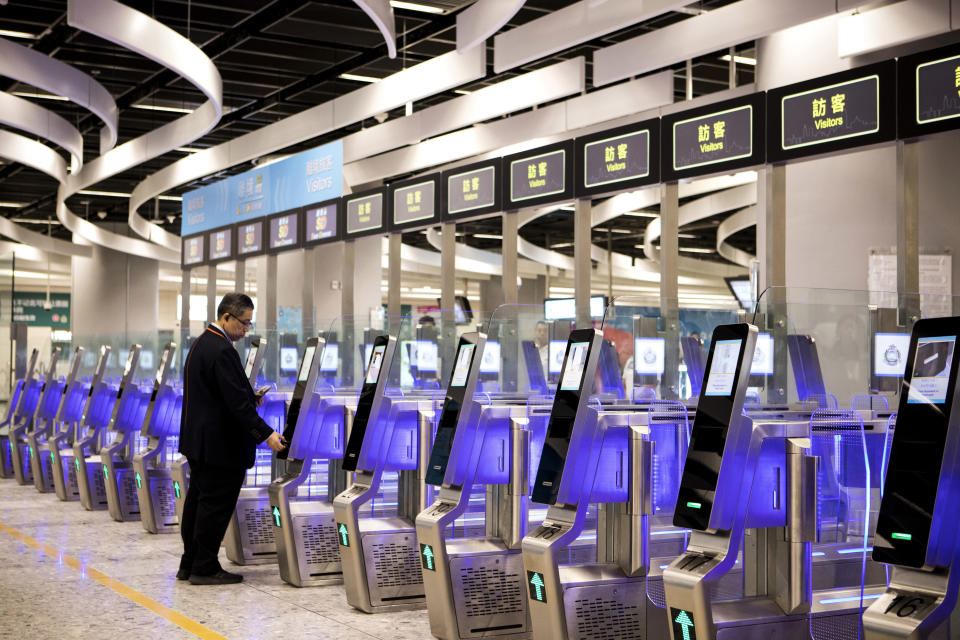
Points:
[(916, 525), (566, 407), (720, 404), (373, 387), (459, 393), (306, 379)]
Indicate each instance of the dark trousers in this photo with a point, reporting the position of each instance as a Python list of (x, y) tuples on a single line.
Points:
[(211, 500)]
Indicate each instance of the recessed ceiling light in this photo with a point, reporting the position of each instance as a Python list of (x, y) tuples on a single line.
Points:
[(42, 96), (108, 194), (641, 214), (159, 107), (415, 6), (189, 149), (462, 92), (487, 236), (740, 60), (696, 250), (11, 205), (358, 78), (6, 33)]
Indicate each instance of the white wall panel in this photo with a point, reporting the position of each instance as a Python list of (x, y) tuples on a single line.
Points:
[(718, 29), (570, 26), (891, 25), (622, 100)]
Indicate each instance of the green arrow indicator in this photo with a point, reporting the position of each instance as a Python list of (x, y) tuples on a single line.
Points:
[(538, 591), (176, 488), (139, 483), (276, 516), (426, 553), (106, 474), (77, 462), (686, 625), (344, 535)]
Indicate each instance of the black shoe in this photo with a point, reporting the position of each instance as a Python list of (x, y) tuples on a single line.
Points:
[(183, 574), (220, 577)]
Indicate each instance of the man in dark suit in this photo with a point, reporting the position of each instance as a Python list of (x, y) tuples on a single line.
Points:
[(219, 433)]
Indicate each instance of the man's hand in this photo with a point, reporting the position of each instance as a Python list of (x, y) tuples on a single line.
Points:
[(276, 441)]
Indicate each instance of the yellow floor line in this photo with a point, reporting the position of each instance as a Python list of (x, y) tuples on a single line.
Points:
[(165, 612)]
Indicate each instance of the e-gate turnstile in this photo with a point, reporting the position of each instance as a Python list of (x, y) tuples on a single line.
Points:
[(306, 532), (106, 406), (916, 528), (13, 416), (78, 401), (151, 469), (250, 537), (379, 555), (45, 405), (180, 468), (51, 427)]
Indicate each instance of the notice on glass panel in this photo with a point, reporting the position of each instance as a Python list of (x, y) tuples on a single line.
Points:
[(839, 111), (718, 137), (471, 190), (462, 368), (616, 159), (938, 90), (376, 361), (576, 361), (723, 369), (931, 370)]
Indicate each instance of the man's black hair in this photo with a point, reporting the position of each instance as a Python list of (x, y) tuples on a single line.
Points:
[(234, 303)]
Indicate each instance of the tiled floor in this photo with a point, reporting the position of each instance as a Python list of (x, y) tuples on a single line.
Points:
[(42, 598)]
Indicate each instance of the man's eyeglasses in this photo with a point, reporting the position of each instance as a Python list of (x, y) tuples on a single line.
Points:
[(246, 323)]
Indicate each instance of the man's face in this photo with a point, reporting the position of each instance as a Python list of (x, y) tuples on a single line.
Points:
[(237, 327), (540, 335)]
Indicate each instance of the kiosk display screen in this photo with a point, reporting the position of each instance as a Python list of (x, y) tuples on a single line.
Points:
[(562, 416), (490, 362), (648, 356), (288, 359), (701, 470), (763, 356), (450, 415), (890, 354), (163, 366), (919, 441), (305, 365), (364, 405), (251, 359), (299, 390), (555, 352), (330, 359)]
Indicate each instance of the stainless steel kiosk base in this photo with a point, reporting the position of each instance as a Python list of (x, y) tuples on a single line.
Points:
[(250, 537)]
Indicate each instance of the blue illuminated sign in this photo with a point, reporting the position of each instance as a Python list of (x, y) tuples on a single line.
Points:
[(308, 177)]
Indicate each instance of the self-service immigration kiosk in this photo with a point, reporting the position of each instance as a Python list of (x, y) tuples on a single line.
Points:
[(80, 399), (151, 467), (301, 498), (379, 555), (50, 425), (250, 537), (32, 410), (121, 400), (13, 415), (917, 531)]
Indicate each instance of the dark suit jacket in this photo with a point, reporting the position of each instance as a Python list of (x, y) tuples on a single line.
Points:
[(219, 424)]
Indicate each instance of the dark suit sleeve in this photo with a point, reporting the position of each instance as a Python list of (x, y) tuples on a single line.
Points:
[(238, 397)]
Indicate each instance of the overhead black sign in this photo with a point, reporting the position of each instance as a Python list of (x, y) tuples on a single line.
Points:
[(621, 158), (833, 113), (192, 254), (929, 92), (366, 213), (415, 202), (472, 190), (321, 223), (718, 137), (220, 242), (539, 176), (284, 230), (250, 239)]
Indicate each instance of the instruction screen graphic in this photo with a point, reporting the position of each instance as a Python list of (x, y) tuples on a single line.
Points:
[(376, 360), (576, 362), (931, 370), (462, 367), (723, 368)]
